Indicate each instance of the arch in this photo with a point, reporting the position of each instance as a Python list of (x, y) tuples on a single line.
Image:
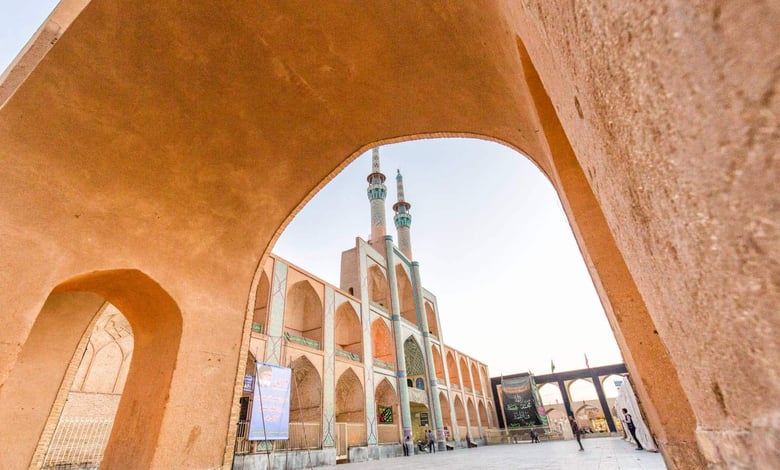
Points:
[(452, 368), (419, 383), (581, 389), (550, 394), (305, 392), (460, 411), (611, 384), (415, 361), (464, 372), (262, 297), (483, 415), (405, 295), (388, 415), (382, 343), (349, 334), (438, 366), (303, 313), (475, 374), (430, 316), (485, 381), (377, 287), (350, 401), (46, 358), (472, 410), (446, 414)]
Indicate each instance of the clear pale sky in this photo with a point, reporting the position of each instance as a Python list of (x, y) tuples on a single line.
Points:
[(488, 230)]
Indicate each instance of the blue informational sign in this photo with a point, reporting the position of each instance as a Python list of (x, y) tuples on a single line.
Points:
[(271, 405), (249, 381)]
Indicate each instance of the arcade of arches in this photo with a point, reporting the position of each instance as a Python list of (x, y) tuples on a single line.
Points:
[(124, 183)]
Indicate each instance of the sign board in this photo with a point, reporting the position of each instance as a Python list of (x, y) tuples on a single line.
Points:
[(522, 405), (385, 414), (271, 405), (249, 382), (423, 419)]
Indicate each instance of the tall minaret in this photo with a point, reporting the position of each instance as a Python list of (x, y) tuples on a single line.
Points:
[(377, 192), (403, 219)]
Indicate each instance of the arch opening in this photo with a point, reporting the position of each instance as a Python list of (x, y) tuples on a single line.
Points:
[(303, 314), (349, 335)]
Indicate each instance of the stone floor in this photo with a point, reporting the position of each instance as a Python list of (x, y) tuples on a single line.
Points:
[(600, 453)]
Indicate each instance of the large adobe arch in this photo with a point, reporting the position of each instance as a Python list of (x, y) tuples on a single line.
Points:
[(660, 149), (47, 366)]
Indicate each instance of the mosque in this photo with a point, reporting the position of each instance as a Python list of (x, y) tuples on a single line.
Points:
[(368, 359)]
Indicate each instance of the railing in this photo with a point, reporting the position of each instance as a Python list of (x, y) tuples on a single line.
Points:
[(388, 433), (384, 364), (348, 355), (301, 340), (78, 442), (302, 436)]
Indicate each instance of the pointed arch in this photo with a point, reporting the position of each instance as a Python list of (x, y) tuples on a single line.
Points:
[(446, 414), (431, 318), (483, 415), (550, 394), (377, 287), (452, 368), (42, 373), (305, 393), (611, 384), (262, 296), (350, 401), (303, 313), (415, 362), (388, 423), (476, 376), (382, 343), (460, 411), (472, 410), (464, 372), (438, 366), (582, 389), (405, 295), (349, 334)]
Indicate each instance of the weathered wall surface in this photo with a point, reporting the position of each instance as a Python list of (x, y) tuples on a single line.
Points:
[(672, 110)]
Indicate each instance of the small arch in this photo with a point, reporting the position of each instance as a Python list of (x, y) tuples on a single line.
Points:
[(377, 287), (349, 334), (446, 416), (405, 295), (550, 394), (581, 389), (460, 411), (475, 374), (262, 297), (438, 366), (388, 414), (305, 393), (419, 383), (430, 316), (452, 368), (483, 415), (303, 313), (611, 384), (350, 401), (415, 362), (473, 418), (382, 343), (464, 371)]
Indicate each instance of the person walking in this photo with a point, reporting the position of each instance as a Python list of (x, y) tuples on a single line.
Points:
[(431, 442), (575, 428), (629, 422)]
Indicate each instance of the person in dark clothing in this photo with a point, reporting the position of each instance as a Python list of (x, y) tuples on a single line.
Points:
[(407, 445), (575, 428), (629, 422)]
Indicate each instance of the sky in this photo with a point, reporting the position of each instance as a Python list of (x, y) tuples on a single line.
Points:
[(488, 230)]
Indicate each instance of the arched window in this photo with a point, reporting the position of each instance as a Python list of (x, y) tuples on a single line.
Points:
[(419, 383)]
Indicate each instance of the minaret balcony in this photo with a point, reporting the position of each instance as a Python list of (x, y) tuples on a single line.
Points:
[(403, 220), (377, 191)]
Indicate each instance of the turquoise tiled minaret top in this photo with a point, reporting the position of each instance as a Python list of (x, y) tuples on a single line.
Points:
[(402, 216), (376, 180)]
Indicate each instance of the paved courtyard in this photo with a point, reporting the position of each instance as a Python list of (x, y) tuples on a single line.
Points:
[(601, 453)]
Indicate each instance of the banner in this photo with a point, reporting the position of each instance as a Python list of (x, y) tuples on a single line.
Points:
[(522, 406), (271, 405)]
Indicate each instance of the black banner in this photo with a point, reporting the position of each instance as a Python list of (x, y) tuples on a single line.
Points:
[(522, 406)]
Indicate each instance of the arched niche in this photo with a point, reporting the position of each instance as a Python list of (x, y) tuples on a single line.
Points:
[(438, 366), (46, 361), (452, 368), (550, 394), (378, 287), (415, 361), (475, 374), (446, 415), (388, 413), (303, 313), (350, 401), (472, 410), (405, 295), (262, 297), (305, 392), (382, 343), (430, 316), (483, 415), (349, 334), (460, 411), (464, 371)]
